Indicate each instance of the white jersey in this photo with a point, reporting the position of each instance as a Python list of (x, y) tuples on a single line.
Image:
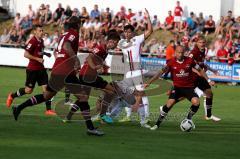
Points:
[(131, 51)]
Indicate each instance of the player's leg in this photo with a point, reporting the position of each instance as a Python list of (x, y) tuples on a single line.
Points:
[(82, 104), (164, 111), (206, 88), (34, 100), (48, 103), (42, 80), (31, 78), (143, 109), (55, 84)]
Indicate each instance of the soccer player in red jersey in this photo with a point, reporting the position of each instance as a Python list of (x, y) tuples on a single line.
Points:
[(88, 75), (35, 72), (181, 68), (64, 74), (198, 55)]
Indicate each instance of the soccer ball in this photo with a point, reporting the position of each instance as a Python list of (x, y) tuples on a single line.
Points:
[(187, 125)]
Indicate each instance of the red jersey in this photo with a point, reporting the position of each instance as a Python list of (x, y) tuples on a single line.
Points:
[(63, 64), (222, 54), (210, 23), (35, 47), (169, 20), (181, 72), (178, 11), (198, 56), (100, 54)]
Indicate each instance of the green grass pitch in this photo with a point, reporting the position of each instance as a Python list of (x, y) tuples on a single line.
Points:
[(36, 136)]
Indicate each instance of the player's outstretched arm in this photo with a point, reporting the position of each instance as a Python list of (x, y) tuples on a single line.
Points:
[(91, 63), (31, 57), (149, 30), (155, 77), (211, 69), (203, 74)]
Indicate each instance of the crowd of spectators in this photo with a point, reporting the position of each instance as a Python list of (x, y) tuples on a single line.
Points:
[(224, 45)]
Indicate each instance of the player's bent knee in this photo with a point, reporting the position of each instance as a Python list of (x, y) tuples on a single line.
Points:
[(28, 90), (195, 101)]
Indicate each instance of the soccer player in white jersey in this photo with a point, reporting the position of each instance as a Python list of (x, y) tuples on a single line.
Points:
[(131, 46)]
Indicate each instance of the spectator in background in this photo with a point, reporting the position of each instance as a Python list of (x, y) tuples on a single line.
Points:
[(66, 14), (26, 24), (178, 11), (17, 21), (122, 13), (57, 14), (47, 14), (219, 26), (200, 23), (169, 22), (154, 46), (106, 15), (211, 53), (190, 22), (95, 13), (170, 50), (235, 29), (41, 14), (141, 26), (156, 23), (31, 13), (96, 27), (185, 40), (222, 55), (219, 43), (47, 40), (54, 38), (84, 15), (68, 11), (14, 38), (5, 37), (130, 15), (76, 13), (86, 28), (209, 26), (139, 16)]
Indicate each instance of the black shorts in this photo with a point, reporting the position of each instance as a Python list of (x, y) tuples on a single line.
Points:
[(71, 82), (58, 82), (33, 76), (202, 83), (178, 92), (98, 82)]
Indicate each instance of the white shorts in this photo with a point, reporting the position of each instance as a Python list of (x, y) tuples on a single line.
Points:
[(136, 77), (177, 19), (199, 92)]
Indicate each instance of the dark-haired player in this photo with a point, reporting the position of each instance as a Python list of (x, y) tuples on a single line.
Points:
[(64, 74), (131, 47), (181, 69), (35, 72), (198, 55), (88, 75)]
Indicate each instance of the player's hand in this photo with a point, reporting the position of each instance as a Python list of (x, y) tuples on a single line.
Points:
[(98, 67), (101, 70), (146, 85), (147, 13), (40, 60), (211, 83), (48, 54), (216, 72)]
